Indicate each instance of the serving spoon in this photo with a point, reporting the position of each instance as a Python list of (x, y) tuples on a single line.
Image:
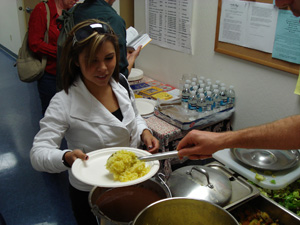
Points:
[(159, 156)]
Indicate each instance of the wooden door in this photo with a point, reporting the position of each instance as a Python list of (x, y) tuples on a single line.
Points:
[(28, 7)]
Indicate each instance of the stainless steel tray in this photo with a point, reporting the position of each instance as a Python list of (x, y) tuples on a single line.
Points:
[(269, 206), (241, 189), (266, 159)]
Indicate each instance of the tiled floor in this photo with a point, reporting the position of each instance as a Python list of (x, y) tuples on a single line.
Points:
[(27, 197)]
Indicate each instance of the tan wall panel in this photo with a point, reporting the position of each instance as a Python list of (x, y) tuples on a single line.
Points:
[(127, 12)]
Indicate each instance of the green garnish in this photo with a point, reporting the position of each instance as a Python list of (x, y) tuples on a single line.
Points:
[(273, 181), (259, 177)]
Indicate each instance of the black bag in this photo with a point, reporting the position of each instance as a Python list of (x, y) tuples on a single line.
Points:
[(30, 67)]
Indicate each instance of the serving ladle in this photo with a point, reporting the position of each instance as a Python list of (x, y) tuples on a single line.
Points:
[(159, 156)]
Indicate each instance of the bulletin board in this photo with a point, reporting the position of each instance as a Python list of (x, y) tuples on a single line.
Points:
[(251, 54)]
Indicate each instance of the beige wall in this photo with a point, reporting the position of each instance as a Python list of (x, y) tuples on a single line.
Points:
[(11, 33), (127, 12)]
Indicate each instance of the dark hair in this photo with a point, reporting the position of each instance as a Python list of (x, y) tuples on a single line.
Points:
[(70, 70)]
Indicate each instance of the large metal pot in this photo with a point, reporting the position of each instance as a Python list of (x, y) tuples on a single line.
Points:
[(181, 211), (121, 205), (200, 182)]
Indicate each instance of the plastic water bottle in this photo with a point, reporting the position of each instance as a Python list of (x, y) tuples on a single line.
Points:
[(231, 96), (200, 82), (192, 106), (202, 85), (192, 102), (185, 94), (216, 100), (188, 82), (208, 84), (200, 90), (218, 83), (193, 85), (214, 86), (207, 80), (201, 104), (223, 97), (209, 101), (207, 88)]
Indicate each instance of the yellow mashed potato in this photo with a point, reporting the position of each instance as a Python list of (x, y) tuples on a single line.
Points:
[(125, 166)]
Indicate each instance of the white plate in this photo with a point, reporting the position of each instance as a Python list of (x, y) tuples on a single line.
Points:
[(94, 172), (145, 106), (135, 74)]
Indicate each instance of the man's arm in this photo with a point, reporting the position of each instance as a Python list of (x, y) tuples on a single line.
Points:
[(280, 134)]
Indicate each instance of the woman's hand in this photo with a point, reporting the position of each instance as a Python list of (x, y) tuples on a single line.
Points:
[(71, 156), (131, 57), (150, 141)]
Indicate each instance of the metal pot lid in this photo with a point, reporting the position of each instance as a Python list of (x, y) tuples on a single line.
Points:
[(267, 159), (200, 182)]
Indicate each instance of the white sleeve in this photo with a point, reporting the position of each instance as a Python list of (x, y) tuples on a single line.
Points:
[(45, 154)]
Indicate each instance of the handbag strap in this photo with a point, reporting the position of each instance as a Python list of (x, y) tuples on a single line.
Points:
[(44, 58)]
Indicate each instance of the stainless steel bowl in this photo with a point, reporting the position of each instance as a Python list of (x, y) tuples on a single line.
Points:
[(121, 205)]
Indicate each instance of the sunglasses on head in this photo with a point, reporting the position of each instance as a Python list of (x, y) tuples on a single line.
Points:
[(87, 31)]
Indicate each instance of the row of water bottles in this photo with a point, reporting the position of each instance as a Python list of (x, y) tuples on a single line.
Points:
[(202, 96)]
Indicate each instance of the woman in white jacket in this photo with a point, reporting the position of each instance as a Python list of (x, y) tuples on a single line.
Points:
[(93, 111)]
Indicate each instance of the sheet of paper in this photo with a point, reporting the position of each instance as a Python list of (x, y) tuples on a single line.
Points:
[(287, 38), (233, 22), (168, 23), (248, 24), (297, 89), (261, 26)]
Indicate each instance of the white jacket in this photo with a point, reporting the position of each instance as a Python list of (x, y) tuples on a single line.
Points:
[(85, 123)]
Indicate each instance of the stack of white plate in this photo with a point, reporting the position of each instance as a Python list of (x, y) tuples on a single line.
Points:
[(145, 106), (135, 74)]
